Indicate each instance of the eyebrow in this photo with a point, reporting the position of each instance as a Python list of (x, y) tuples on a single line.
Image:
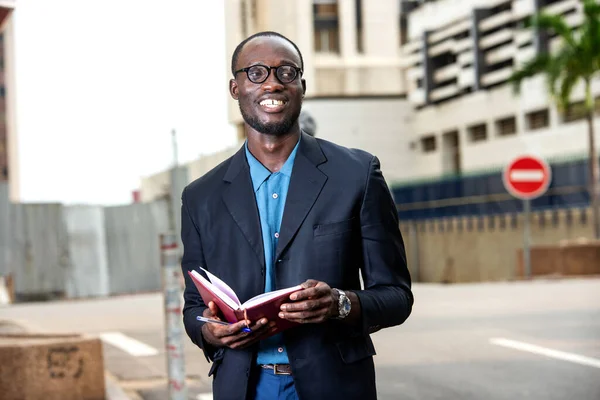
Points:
[(283, 62)]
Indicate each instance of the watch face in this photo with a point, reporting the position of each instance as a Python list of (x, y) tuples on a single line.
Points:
[(346, 306)]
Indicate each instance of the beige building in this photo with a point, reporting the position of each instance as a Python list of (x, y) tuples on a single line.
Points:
[(458, 56), (421, 84), (9, 166)]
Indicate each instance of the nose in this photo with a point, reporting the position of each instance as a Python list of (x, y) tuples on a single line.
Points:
[(272, 84)]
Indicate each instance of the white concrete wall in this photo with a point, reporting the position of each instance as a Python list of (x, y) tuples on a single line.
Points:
[(39, 252), (379, 126), (88, 270), (133, 246)]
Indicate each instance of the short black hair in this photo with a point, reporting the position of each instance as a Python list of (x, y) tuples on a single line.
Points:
[(238, 49)]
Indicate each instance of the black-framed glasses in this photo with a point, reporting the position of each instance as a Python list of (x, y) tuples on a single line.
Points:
[(259, 73)]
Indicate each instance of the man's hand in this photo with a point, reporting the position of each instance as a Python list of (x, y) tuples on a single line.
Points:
[(232, 335), (316, 303)]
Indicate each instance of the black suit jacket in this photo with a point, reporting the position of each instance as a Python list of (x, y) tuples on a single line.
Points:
[(339, 222)]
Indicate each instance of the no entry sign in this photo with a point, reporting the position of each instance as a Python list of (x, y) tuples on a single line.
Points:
[(527, 177)]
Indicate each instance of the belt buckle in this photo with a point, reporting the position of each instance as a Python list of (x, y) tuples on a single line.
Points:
[(276, 372)]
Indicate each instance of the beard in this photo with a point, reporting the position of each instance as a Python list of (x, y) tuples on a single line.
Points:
[(273, 128)]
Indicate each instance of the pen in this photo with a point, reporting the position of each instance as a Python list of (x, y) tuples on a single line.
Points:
[(216, 321)]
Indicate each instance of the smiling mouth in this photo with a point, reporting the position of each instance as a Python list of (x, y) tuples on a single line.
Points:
[(272, 105)]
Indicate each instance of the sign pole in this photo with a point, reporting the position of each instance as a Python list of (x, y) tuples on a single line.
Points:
[(526, 178), (526, 238), (174, 332)]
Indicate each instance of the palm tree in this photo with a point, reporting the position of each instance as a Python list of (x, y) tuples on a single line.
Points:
[(576, 61)]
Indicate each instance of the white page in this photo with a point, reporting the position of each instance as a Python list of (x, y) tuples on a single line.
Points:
[(222, 295), (222, 286), (262, 298)]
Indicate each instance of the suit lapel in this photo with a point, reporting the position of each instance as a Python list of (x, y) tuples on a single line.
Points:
[(305, 185), (241, 203)]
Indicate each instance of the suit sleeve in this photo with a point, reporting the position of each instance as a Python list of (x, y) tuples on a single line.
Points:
[(193, 257), (387, 298)]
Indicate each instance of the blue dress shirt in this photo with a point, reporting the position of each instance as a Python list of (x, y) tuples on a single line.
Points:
[(270, 190)]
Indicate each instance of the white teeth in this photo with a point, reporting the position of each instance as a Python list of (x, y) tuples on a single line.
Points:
[(271, 102)]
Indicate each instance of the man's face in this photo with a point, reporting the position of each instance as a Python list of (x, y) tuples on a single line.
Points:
[(270, 107)]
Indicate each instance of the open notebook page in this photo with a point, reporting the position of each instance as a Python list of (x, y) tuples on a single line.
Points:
[(232, 302), (263, 298), (222, 286)]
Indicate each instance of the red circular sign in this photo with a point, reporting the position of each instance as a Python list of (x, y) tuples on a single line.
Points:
[(527, 177)]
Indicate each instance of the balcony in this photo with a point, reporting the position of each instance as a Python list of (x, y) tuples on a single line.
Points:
[(446, 46), (463, 45), (523, 36), (410, 60), (561, 7), (452, 30), (414, 73), (522, 9), (444, 92), (466, 77), (412, 47), (417, 97), (496, 20), (524, 55), (500, 54), (446, 73), (498, 76), (496, 38), (466, 58)]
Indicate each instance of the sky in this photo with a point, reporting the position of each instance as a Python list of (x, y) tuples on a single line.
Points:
[(101, 84)]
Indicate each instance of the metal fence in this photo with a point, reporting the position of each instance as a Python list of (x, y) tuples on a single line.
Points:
[(484, 194), (52, 250)]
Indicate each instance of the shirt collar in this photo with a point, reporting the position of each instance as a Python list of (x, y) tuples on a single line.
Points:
[(259, 173)]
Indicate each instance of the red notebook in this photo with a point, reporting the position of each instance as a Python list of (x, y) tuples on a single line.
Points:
[(265, 305)]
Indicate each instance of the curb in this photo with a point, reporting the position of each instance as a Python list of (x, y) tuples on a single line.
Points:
[(113, 390)]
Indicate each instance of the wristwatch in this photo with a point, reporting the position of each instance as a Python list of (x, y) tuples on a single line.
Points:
[(344, 305)]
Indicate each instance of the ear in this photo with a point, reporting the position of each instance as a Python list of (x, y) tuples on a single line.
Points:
[(233, 89), (303, 87)]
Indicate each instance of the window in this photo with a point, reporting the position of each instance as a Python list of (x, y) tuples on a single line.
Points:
[(326, 10), (477, 133), (326, 40), (538, 119), (243, 19), (574, 112), (428, 144), (506, 126), (326, 31), (403, 30)]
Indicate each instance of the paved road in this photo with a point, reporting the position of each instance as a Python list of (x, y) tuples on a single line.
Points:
[(524, 340)]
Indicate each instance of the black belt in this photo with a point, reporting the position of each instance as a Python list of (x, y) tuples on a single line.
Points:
[(278, 369)]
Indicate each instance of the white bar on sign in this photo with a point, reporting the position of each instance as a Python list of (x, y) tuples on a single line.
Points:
[(524, 175), (128, 344), (544, 351)]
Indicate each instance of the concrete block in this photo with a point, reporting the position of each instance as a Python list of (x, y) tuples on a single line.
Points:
[(51, 367), (568, 258), (581, 257)]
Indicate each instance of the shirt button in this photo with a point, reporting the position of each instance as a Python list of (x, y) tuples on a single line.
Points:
[(275, 195), (280, 349), (277, 235)]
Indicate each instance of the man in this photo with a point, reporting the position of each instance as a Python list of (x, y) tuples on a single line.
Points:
[(290, 209)]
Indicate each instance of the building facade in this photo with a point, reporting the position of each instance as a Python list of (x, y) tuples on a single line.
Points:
[(421, 84), (446, 62)]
